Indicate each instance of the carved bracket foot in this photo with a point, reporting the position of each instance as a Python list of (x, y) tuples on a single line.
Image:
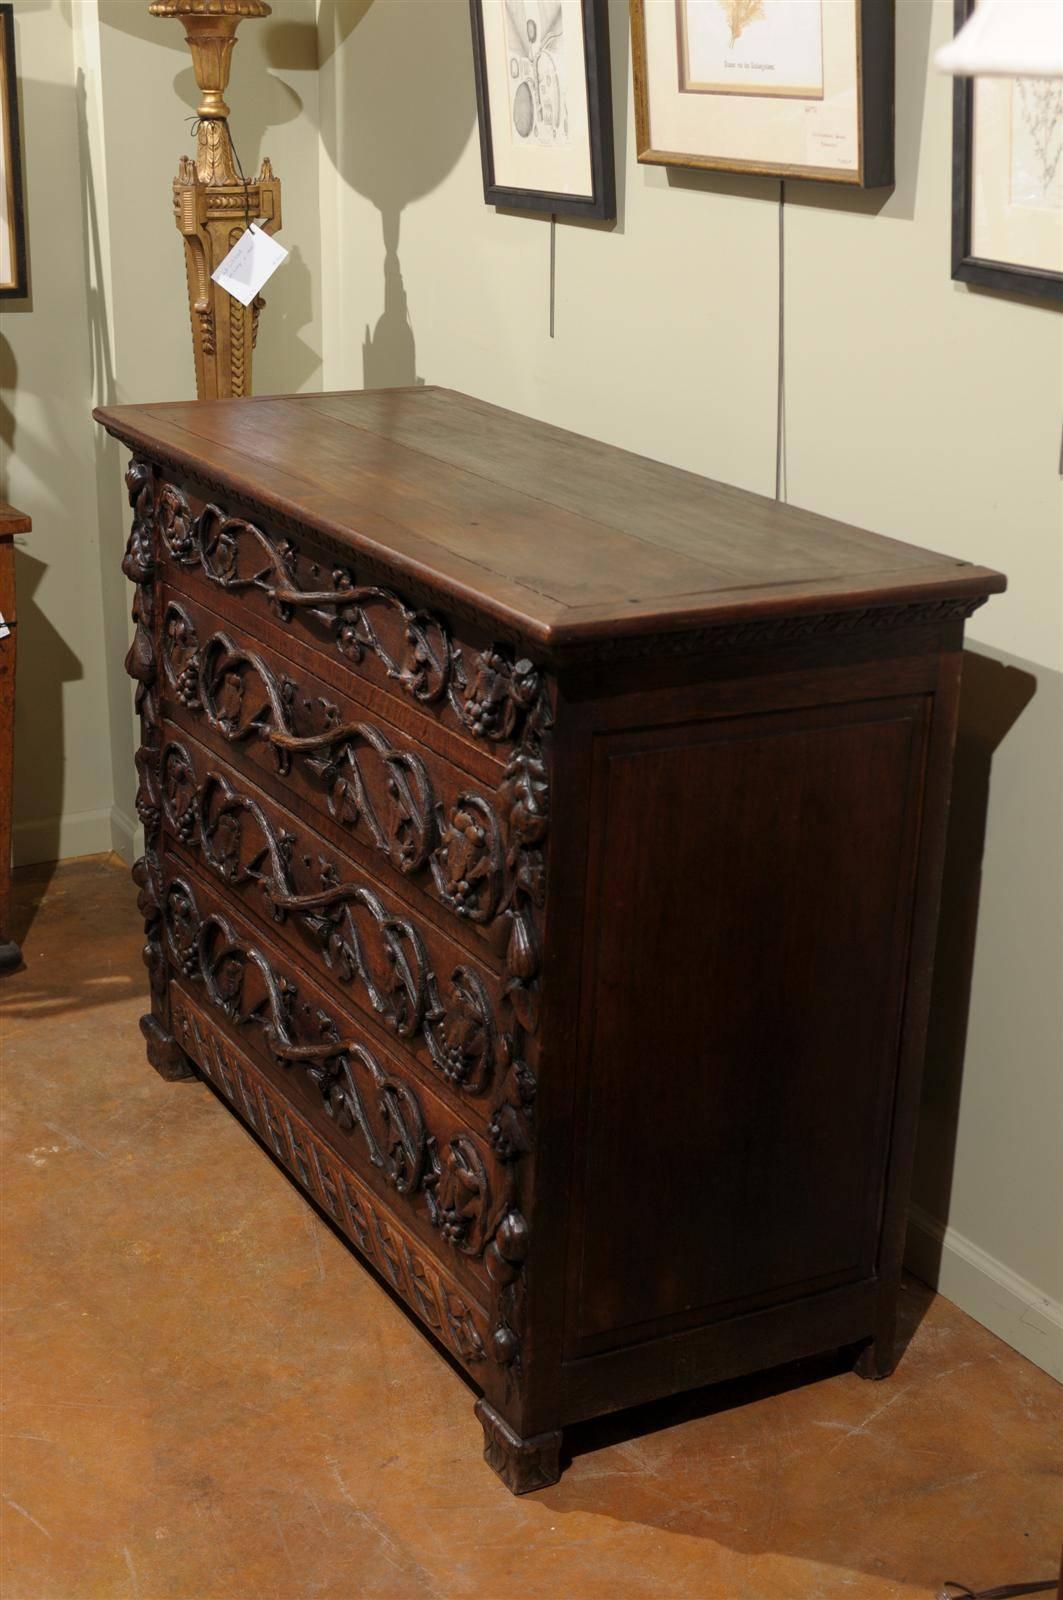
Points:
[(876, 1359), (164, 1053), (522, 1464), (10, 956)]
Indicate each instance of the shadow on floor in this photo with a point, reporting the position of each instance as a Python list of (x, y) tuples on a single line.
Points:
[(94, 962)]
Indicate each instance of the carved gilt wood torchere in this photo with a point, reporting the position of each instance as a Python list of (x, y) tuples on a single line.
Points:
[(213, 205), (542, 858)]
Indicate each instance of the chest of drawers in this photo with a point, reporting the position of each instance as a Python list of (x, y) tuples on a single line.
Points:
[(542, 857)]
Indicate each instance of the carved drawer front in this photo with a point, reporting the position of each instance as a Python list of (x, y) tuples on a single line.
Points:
[(284, 578), (474, 849), (452, 1184), (453, 1315), (449, 1011)]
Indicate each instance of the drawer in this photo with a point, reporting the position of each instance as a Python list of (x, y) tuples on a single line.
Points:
[(439, 1174), (466, 682), (444, 1305), (399, 969), (402, 808)]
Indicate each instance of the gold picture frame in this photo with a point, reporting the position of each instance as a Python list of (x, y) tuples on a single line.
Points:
[(768, 104)]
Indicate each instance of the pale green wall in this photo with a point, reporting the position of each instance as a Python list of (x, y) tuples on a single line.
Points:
[(913, 406), (105, 90), (63, 789)]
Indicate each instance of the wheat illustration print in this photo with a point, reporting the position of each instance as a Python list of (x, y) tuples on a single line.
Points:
[(739, 14)]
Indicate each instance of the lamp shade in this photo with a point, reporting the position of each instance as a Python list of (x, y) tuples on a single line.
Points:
[(1008, 39)]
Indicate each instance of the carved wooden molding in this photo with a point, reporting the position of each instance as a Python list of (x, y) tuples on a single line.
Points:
[(358, 935), (380, 1111), (523, 1464), (239, 696), (792, 629), (722, 636), (503, 699), (491, 696), (426, 1288)]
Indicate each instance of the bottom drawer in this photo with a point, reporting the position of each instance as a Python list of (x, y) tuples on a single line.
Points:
[(445, 1307)]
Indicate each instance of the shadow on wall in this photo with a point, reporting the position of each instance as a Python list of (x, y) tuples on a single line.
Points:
[(47, 661), (394, 61), (262, 102), (992, 700), (109, 510)]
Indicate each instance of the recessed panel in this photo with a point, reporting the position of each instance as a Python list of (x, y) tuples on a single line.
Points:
[(749, 893)]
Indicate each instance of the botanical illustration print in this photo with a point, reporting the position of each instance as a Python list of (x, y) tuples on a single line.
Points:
[(739, 14), (536, 69), (1037, 143), (759, 47)]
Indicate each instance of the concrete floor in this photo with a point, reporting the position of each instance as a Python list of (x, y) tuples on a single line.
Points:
[(209, 1399)]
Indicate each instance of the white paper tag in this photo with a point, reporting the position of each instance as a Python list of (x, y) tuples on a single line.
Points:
[(251, 262), (4, 629)]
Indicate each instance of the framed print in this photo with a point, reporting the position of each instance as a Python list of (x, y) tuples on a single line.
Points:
[(792, 88), (1007, 181), (542, 93), (12, 221)]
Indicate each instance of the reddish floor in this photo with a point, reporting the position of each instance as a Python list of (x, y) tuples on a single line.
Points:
[(209, 1399)]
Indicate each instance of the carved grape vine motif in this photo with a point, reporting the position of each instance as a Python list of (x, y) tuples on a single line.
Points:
[(492, 697), (485, 857), (366, 1101)]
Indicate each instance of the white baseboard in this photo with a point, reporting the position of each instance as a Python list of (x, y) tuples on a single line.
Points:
[(78, 833), (1009, 1306), (127, 836)]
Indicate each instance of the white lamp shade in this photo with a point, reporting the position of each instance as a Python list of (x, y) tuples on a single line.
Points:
[(1008, 39)]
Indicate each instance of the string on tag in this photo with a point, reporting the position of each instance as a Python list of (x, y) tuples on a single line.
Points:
[(195, 124)]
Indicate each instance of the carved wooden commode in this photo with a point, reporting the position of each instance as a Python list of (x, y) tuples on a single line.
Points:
[(543, 849)]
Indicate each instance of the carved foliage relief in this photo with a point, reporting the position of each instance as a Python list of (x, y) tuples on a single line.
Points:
[(491, 696), (443, 1169), (138, 564), (432, 1295), (361, 940), (484, 858)]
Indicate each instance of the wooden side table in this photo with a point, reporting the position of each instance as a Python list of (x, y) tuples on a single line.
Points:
[(11, 522)]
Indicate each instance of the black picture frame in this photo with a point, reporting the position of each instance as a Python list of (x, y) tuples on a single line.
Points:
[(1005, 276), (601, 205), (12, 199)]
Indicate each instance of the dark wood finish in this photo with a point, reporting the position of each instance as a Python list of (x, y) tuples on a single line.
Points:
[(967, 268), (539, 537), (875, 65), (354, 934), (522, 1464), (600, 205), (786, 911), (11, 522), (543, 851), (395, 1129)]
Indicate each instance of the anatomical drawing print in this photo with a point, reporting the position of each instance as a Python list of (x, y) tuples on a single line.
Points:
[(534, 32)]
